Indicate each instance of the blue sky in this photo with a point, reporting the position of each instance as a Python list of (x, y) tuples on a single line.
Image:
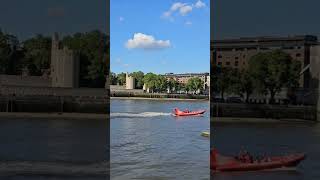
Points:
[(160, 36), (235, 18), (28, 18)]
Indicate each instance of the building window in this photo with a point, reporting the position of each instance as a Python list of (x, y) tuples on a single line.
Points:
[(236, 63), (236, 58), (244, 56), (298, 55), (219, 56), (227, 63), (219, 63)]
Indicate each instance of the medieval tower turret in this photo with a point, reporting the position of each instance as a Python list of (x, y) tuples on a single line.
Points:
[(64, 65)]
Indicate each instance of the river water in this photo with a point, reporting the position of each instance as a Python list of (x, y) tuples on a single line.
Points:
[(147, 142), (53, 149), (273, 139)]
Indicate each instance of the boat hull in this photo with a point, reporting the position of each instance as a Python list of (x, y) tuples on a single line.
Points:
[(273, 163), (192, 113)]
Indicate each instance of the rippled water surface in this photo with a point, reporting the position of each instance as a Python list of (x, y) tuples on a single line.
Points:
[(147, 142), (53, 149), (274, 139)]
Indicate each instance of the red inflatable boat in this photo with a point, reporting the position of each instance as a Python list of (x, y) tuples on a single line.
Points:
[(177, 112), (219, 163)]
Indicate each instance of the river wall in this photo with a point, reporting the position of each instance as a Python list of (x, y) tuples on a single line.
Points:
[(263, 111), (46, 99), (140, 94)]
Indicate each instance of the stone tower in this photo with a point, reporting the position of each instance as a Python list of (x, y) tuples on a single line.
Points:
[(64, 65), (129, 82)]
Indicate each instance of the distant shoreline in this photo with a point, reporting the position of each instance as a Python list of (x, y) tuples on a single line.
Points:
[(235, 120), (62, 116), (158, 99)]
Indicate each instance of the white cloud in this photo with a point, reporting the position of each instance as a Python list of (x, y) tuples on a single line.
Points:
[(200, 4), (167, 14), (182, 8), (126, 65), (146, 42), (177, 6), (189, 23), (185, 10), (121, 19)]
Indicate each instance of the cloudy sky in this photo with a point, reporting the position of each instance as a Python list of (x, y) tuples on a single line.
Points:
[(160, 36), (235, 18), (25, 18)]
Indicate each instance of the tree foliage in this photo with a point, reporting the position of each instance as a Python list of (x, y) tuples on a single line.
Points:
[(194, 85), (37, 54), (272, 71), (267, 73), (93, 50), (138, 76)]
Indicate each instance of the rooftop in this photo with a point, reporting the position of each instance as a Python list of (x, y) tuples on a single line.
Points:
[(298, 40)]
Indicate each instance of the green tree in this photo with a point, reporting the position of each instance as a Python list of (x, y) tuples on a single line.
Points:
[(113, 78), (138, 76), (93, 49), (161, 83), (195, 84), (37, 54), (271, 71), (223, 78), (181, 87), (10, 56), (150, 79), (121, 79), (173, 85), (243, 84)]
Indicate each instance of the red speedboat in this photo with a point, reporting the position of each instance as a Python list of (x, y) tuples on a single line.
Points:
[(177, 112), (219, 163)]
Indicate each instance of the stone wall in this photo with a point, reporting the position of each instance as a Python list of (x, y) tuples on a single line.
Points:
[(35, 99), (263, 111), (16, 80), (23, 90)]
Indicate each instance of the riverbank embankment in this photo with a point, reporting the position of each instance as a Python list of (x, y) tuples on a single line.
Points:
[(143, 95), (156, 99), (52, 100), (55, 116), (256, 112)]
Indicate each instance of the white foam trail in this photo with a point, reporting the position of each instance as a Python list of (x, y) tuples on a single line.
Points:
[(143, 114)]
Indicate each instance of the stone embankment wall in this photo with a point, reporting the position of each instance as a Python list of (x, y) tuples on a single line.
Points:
[(16, 80), (156, 95), (36, 99), (263, 111)]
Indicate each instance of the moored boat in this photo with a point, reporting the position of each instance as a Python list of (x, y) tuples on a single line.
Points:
[(178, 112), (219, 163)]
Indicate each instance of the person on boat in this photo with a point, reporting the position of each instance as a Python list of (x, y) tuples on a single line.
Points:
[(248, 158), (186, 111), (241, 155)]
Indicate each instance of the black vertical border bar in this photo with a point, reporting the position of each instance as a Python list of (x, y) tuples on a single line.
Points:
[(108, 87), (212, 58)]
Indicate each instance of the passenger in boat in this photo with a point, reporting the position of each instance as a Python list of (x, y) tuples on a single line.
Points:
[(186, 111), (248, 158)]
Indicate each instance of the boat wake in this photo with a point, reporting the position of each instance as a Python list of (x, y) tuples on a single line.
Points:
[(139, 115)]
